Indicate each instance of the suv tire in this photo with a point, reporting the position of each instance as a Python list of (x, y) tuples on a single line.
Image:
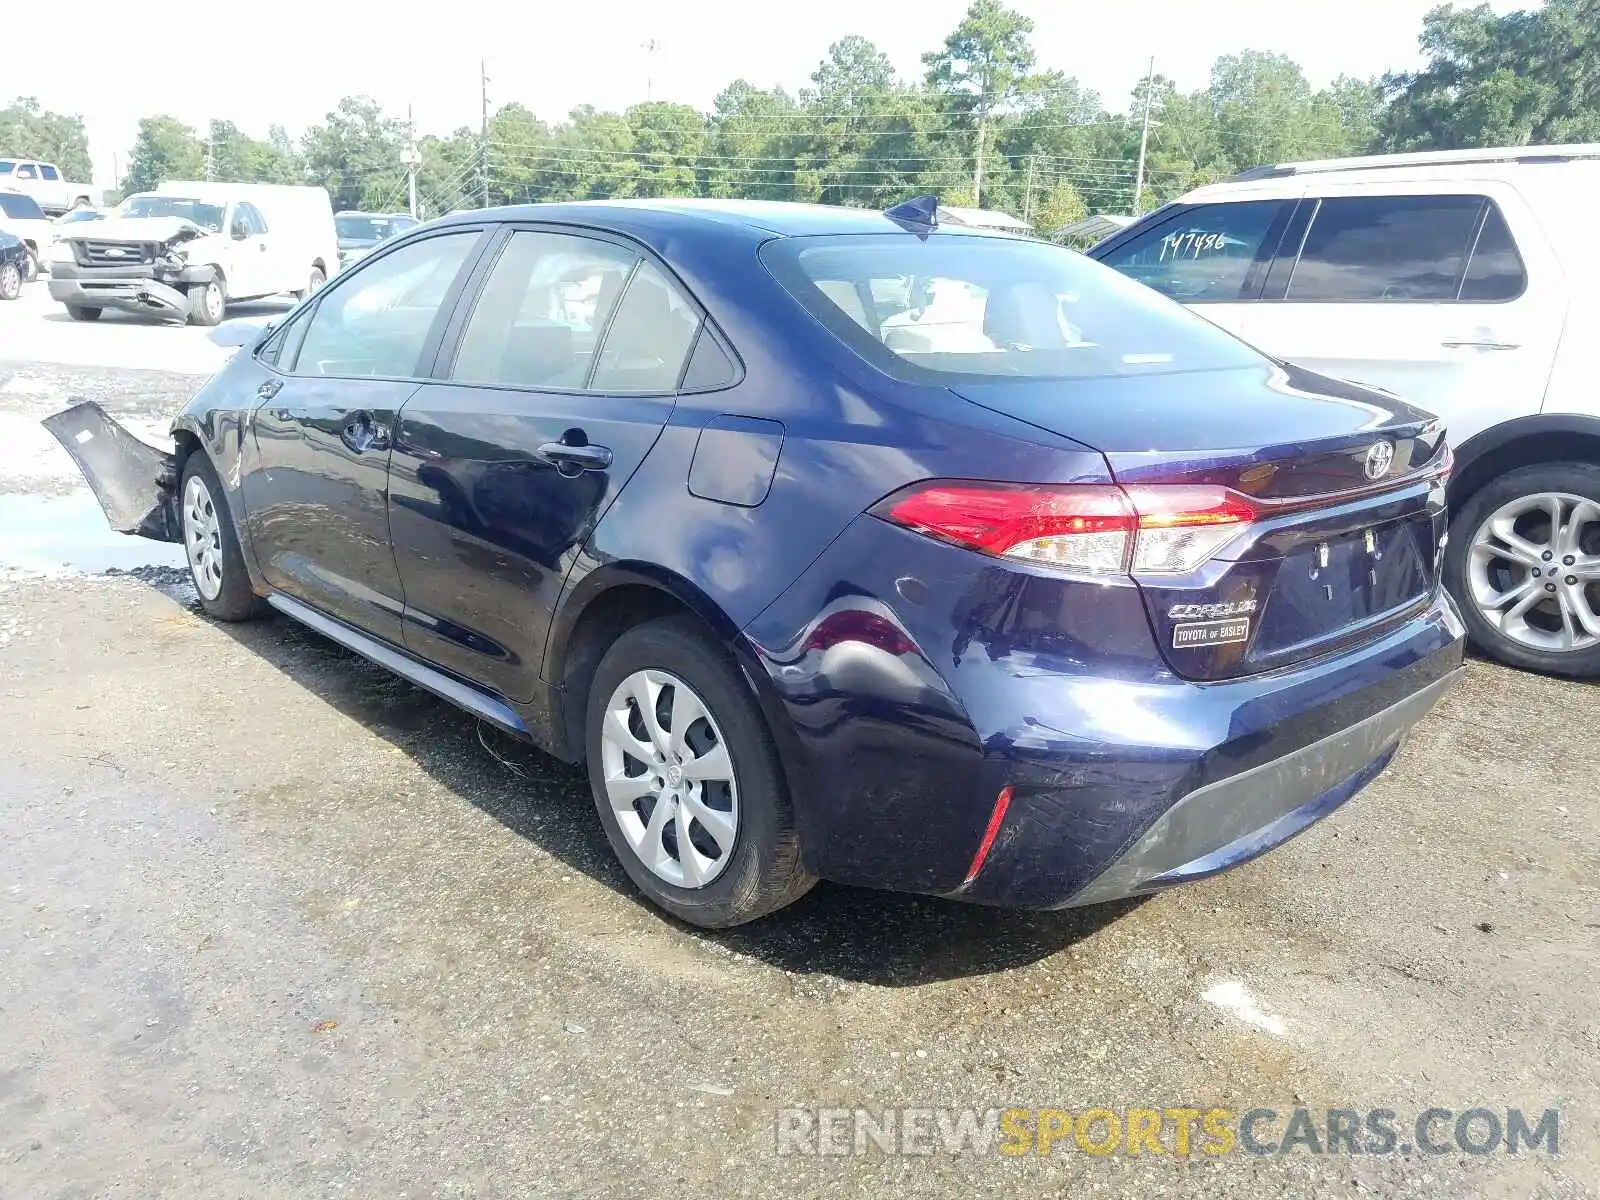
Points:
[(1517, 596)]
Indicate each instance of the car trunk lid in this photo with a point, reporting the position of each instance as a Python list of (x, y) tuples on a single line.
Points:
[(1343, 486)]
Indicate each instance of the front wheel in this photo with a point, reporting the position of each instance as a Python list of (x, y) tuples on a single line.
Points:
[(216, 562), (10, 281), (1524, 565), (687, 781), (207, 302)]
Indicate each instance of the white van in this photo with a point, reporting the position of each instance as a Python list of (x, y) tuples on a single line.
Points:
[(1464, 281), (185, 250)]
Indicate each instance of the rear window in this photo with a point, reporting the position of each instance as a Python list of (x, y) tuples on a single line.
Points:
[(955, 305)]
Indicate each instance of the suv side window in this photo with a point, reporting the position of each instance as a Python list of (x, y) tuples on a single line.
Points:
[(649, 338), (1214, 252), (25, 171), (1496, 272), (542, 310), (375, 321), (49, 172), (1386, 248)]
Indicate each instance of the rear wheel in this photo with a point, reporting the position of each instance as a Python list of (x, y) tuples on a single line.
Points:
[(10, 280), (1524, 563), (216, 562), (83, 314), (207, 302), (687, 781)]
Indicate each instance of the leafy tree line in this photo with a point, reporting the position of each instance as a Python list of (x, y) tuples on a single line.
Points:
[(983, 124)]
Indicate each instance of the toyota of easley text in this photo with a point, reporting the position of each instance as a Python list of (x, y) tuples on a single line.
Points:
[(836, 544)]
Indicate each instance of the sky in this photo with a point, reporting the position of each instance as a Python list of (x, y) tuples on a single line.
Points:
[(290, 61)]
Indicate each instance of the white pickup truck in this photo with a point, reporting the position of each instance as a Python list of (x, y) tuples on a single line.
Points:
[(50, 189)]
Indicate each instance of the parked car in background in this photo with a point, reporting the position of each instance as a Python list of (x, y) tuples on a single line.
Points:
[(1064, 597), (44, 181), (359, 232), (14, 260), (21, 216), (186, 250), (1462, 281)]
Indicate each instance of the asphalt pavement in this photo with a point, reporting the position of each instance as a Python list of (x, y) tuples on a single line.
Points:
[(274, 923)]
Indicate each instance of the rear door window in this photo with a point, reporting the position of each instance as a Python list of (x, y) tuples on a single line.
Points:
[(49, 172), (542, 311), (1386, 248), (649, 338), (1212, 253)]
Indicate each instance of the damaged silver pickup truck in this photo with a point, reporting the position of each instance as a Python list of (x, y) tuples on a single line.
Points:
[(185, 251)]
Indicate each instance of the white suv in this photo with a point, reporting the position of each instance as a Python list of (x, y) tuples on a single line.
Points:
[(1465, 281)]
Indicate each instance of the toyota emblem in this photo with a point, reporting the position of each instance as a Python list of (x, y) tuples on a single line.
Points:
[(1379, 459)]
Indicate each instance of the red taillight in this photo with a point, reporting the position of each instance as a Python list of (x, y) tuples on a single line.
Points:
[(996, 816), (1100, 529), (859, 625)]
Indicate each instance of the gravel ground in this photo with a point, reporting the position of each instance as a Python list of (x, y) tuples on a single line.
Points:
[(274, 923)]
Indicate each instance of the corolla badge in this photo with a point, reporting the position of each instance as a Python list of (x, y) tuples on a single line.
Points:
[(1380, 457)]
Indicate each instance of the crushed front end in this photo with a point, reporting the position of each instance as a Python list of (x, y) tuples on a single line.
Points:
[(94, 271)]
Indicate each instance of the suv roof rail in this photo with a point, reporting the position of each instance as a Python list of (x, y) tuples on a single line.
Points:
[(1425, 158)]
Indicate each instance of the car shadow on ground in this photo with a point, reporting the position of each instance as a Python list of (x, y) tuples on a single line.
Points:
[(853, 934)]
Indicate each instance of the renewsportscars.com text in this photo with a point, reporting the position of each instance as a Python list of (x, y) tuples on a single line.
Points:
[(1176, 1131)]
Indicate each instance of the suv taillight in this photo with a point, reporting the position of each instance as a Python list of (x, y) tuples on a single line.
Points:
[(1155, 529)]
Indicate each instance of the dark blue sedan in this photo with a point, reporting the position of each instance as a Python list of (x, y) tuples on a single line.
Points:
[(836, 544)]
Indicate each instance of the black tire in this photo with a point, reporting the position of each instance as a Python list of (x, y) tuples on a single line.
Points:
[(1575, 478), (313, 284), (763, 871), (10, 280), (208, 301), (83, 314), (235, 600), (30, 266)]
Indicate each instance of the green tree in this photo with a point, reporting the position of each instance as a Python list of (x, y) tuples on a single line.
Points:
[(239, 158), (30, 131), (982, 71), (356, 154), (164, 149)]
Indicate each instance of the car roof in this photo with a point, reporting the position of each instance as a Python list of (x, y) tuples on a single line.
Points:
[(664, 215), (1277, 180)]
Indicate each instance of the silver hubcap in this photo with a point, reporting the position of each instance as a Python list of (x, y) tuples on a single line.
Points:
[(1534, 571), (202, 538), (669, 778), (213, 300)]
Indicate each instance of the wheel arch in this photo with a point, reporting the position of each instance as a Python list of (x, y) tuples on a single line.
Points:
[(614, 598), (1523, 442)]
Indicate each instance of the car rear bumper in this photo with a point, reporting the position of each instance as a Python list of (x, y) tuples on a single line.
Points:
[(1231, 821), (1121, 778)]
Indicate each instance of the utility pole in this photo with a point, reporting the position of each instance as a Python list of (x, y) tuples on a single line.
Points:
[(1144, 134), (412, 161), (977, 166), (483, 135), (650, 48), (1027, 197)]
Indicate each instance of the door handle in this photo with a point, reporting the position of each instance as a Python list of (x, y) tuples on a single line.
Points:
[(573, 460), (262, 247), (361, 433), (269, 389), (1478, 344)]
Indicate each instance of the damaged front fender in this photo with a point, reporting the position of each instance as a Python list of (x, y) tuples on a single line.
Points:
[(133, 481)]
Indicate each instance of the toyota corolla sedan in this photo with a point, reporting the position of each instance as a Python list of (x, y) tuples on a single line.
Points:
[(836, 544)]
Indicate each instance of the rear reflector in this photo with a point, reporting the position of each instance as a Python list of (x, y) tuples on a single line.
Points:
[(1097, 529), (1001, 803)]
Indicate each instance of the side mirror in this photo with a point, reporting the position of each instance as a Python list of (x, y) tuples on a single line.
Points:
[(239, 233), (230, 335)]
